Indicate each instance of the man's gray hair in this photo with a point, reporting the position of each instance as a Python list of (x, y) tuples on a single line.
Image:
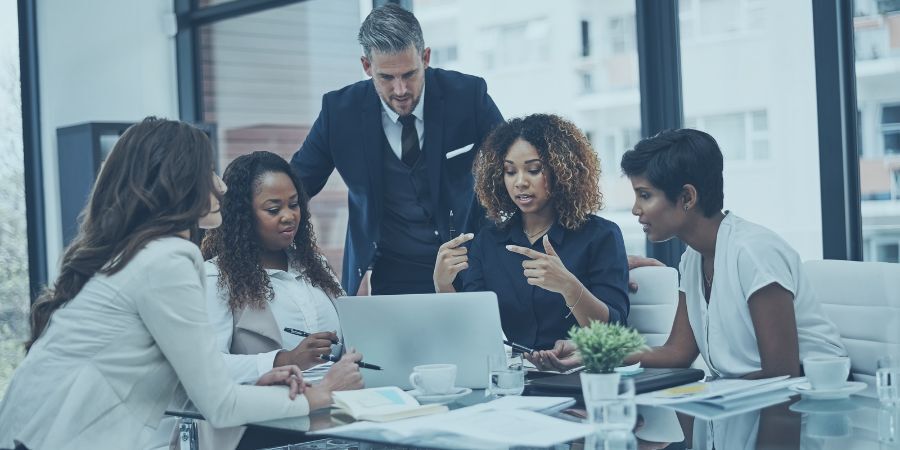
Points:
[(390, 29)]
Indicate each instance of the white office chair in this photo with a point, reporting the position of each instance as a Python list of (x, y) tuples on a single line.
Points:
[(863, 300), (653, 305)]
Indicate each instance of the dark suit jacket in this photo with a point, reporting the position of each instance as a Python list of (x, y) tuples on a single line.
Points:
[(348, 135)]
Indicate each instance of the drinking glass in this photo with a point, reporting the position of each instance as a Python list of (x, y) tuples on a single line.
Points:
[(887, 380), (611, 409), (507, 375), (889, 425)]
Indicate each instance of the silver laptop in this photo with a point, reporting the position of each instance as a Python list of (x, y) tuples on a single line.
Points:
[(398, 332)]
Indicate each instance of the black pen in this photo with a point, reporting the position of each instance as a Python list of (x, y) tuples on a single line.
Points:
[(361, 364), (302, 333), (518, 347)]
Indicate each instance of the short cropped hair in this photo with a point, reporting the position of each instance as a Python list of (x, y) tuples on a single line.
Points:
[(571, 165), (390, 29), (674, 158)]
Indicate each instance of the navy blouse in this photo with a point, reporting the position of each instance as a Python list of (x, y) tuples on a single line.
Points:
[(531, 315)]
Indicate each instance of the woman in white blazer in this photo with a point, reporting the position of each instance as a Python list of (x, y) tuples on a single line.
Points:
[(125, 322)]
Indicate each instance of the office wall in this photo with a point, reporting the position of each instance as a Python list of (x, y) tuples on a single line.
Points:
[(100, 60)]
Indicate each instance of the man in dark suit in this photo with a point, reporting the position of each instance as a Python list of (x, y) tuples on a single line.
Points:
[(403, 142)]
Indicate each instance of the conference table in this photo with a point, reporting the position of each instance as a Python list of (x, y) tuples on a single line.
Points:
[(789, 422)]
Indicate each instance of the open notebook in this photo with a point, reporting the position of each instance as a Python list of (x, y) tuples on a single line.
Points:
[(382, 404)]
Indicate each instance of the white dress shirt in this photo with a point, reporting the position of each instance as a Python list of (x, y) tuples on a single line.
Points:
[(296, 304), (748, 258), (393, 129), (110, 361)]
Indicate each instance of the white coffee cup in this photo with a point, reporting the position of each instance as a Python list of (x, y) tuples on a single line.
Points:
[(826, 372), (434, 379)]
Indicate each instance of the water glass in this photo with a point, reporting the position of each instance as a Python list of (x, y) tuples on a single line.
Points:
[(889, 425), (609, 409), (612, 440), (507, 375), (887, 380)]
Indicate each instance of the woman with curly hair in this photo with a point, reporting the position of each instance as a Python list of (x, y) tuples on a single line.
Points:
[(551, 261), (266, 274)]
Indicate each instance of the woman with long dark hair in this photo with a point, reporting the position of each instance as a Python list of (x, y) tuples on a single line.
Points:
[(125, 321), (265, 272)]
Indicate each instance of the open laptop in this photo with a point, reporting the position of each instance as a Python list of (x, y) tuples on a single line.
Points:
[(648, 380), (398, 332)]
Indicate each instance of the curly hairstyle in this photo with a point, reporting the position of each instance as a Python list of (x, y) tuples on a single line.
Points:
[(237, 246), (152, 185), (573, 175)]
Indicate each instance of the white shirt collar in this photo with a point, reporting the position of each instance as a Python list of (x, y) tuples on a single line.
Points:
[(417, 111)]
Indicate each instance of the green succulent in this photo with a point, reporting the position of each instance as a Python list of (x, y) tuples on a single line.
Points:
[(604, 346)]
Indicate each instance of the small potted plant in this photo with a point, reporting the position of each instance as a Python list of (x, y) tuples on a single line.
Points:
[(603, 347)]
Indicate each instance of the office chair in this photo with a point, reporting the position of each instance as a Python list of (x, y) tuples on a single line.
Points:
[(863, 300)]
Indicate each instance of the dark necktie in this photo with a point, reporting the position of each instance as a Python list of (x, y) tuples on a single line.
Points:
[(409, 141)]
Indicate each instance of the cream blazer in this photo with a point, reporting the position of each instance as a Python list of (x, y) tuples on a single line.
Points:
[(111, 360)]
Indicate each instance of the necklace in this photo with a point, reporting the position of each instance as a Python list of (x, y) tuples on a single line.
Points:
[(531, 235), (708, 280)]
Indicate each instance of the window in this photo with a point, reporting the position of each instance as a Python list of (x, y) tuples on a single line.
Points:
[(531, 65), (890, 129), (585, 38), (878, 102), (622, 38), (741, 136), (755, 94), (14, 296), (509, 45), (717, 19), (264, 75)]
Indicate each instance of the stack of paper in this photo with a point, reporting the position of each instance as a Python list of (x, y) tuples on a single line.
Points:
[(721, 398), (473, 427)]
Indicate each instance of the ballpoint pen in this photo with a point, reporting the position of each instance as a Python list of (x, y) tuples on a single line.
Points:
[(302, 333), (518, 347), (362, 365)]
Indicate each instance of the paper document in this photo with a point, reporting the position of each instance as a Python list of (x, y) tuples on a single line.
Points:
[(715, 409), (544, 405), (478, 426), (721, 390)]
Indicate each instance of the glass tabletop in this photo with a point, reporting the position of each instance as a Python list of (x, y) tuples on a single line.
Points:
[(786, 422)]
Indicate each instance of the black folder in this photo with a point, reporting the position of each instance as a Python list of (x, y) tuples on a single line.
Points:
[(647, 381)]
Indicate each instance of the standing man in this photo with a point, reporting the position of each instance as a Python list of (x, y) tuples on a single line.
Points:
[(403, 142)]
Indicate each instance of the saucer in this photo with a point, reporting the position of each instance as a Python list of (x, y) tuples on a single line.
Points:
[(633, 369), (440, 398), (806, 390), (810, 406)]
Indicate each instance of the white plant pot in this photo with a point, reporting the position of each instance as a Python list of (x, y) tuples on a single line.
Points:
[(609, 401), (600, 386)]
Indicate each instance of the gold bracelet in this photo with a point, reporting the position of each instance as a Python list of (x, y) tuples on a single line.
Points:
[(572, 308)]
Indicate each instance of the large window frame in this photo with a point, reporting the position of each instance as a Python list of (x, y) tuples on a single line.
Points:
[(661, 108)]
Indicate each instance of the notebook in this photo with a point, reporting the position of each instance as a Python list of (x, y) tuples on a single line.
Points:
[(647, 381), (382, 404)]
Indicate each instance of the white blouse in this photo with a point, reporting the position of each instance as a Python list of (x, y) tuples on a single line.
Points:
[(748, 258), (296, 304)]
